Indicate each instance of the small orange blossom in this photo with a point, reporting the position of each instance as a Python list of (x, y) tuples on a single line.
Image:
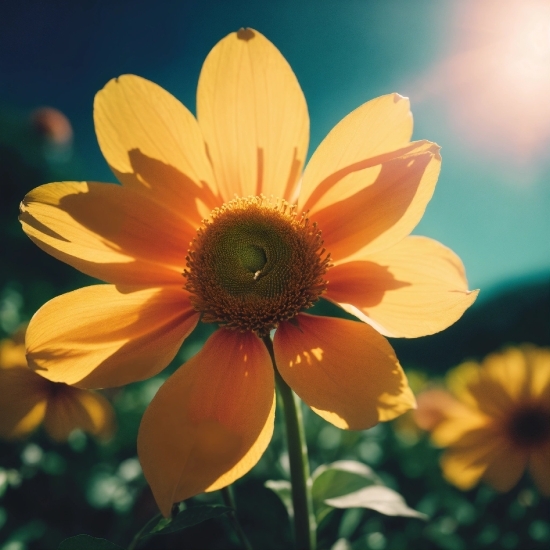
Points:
[(28, 400), (496, 422), (221, 199)]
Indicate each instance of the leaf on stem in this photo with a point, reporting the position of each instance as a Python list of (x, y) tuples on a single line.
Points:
[(187, 518), (283, 489), (351, 484)]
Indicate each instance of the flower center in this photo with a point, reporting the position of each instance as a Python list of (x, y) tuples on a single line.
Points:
[(255, 263), (530, 426)]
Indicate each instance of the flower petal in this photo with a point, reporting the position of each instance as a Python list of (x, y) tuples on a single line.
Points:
[(154, 144), (466, 461), (375, 128), (71, 408), (99, 336), (538, 365), (108, 232), (254, 117), (505, 468), (344, 370), (22, 401), (367, 210), (211, 421), (431, 407), (415, 288)]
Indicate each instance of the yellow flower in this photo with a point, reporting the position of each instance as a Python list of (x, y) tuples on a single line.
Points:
[(27, 400), (214, 220), (498, 424)]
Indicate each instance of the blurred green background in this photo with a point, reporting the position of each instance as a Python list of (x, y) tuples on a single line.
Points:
[(478, 77)]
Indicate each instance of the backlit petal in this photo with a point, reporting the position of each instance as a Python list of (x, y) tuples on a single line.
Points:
[(154, 144), (98, 336), (344, 370), (23, 398), (108, 232), (254, 117), (377, 127), (211, 421), (416, 287), (71, 408), (372, 208)]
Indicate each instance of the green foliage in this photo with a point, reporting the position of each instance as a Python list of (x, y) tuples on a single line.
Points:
[(187, 518), (85, 542)]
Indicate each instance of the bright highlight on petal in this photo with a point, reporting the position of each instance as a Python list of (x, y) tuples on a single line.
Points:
[(99, 336), (211, 421), (344, 370), (253, 116)]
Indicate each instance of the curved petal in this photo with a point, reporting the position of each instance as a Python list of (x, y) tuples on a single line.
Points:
[(506, 466), (108, 232), (254, 117), (539, 467), (458, 421), (344, 370), (23, 399), (154, 144), (373, 208), (466, 461), (211, 421), (431, 407), (99, 336), (538, 366), (72, 408), (375, 128), (415, 288)]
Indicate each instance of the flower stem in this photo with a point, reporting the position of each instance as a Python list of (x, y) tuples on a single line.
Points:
[(304, 518), (229, 500)]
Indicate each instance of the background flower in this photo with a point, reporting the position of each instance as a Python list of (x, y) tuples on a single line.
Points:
[(28, 400), (498, 424)]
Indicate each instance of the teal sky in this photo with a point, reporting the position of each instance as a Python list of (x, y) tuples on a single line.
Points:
[(492, 202)]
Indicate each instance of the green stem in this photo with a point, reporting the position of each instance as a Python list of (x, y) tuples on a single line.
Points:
[(229, 500), (304, 518), (138, 535)]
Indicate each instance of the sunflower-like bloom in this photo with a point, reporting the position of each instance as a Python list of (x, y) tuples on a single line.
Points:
[(496, 421), (28, 400), (215, 221)]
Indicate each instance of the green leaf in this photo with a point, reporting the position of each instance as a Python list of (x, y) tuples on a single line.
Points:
[(339, 478), (189, 517), (85, 542), (379, 498), (283, 489)]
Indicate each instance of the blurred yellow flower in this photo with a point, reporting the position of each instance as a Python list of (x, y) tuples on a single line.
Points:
[(497, 424), (28, 400), (221, 199)]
